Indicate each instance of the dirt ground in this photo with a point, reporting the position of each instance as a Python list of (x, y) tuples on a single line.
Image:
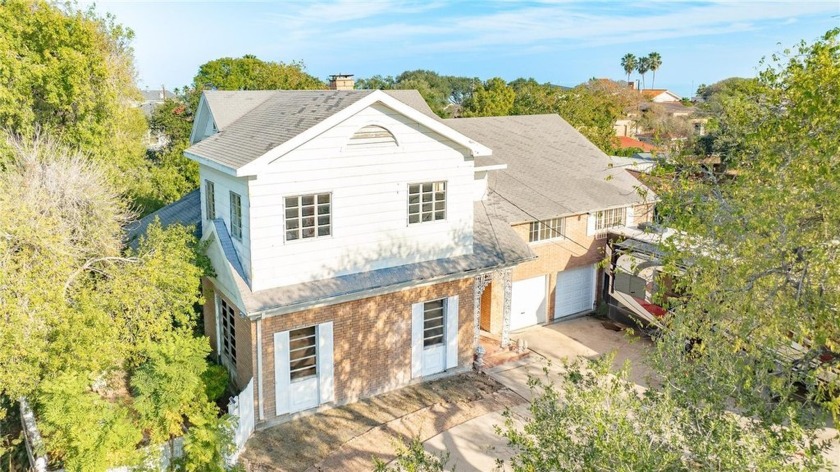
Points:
[(347, 437)]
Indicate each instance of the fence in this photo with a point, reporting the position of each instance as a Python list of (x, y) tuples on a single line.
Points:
[(242, 407)]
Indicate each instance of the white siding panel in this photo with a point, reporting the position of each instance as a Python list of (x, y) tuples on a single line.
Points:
[(630, 216), (369, 203), (416, 340), (282, 375), (223, 185), (452, 319), (325, 362)]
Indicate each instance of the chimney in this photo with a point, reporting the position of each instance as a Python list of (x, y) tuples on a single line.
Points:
[(342, 82)]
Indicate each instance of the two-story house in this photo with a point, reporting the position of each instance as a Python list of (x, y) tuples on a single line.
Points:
[(359, 242)]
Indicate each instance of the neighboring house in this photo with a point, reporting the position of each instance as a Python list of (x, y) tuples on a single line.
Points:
[(359, 242), (660, 95), (151, 99), (625, 142)]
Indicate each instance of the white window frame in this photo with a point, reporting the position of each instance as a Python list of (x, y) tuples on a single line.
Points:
[(210, 199), (236, 216), (314, 355), (227, 331), (605, 219), (435, 213), (442, 319), (319, 213), (544, 230)]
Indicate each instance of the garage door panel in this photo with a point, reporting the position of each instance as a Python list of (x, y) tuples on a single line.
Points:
[(575, 291), (528, 303)]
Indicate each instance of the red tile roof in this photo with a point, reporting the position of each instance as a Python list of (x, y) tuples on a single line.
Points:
[(625, 142)]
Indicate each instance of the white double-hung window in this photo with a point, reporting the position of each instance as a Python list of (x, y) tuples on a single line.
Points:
[(236, 216)]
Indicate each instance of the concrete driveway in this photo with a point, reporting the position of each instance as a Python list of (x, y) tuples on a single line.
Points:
[(474, 445)]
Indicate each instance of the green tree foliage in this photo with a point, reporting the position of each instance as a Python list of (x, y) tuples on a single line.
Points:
[(761, 258), (728, 104), (439, 91), (491, 98), (643, 66), (654, 63), (70, 73), (84, 430), (629, 63), (589, 418), (250, 73), (412, 457), (80, 313)]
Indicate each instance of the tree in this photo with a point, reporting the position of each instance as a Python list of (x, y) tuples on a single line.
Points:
[(70, 73), (588, 417), (629, 63), (764, 269), (492, 98), (439, 91), (654, 62), (643, 66), (81, 314), (250, 73)]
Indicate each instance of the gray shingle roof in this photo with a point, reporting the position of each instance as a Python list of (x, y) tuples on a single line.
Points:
[(229, 106), (495, 244), (250, 123), (186, 211), (553, 170), (279, 118)]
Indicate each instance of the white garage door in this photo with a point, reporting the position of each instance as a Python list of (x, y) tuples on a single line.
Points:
[(575, 291), (528, 303)]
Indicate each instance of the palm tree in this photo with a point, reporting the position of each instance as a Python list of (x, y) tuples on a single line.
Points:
[(654, 61), (643, 66), (628, 62)]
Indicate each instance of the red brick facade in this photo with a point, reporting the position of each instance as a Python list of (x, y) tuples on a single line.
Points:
[(371, 340)]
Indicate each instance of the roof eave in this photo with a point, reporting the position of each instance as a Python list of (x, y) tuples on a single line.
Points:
[(476, 149), (211, 163)]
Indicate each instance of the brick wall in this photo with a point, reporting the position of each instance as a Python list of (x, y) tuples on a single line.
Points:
[(371, 339), (245, 336), (577, 250)]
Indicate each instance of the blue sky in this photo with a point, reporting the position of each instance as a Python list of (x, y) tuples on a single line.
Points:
[(564, 41)]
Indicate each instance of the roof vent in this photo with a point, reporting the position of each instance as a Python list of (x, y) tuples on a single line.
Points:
[(342, 82)]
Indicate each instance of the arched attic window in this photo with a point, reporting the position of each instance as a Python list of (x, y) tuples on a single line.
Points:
[(372, 136)]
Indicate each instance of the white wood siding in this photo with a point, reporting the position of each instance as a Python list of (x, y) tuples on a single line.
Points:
[(223, 185), (369, 190)]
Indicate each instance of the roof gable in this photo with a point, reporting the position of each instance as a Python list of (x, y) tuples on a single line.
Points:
[(287, 119)]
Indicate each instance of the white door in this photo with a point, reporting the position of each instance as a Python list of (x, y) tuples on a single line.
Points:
[(528, 303), (303, 368), (575, 291), (434, 336)]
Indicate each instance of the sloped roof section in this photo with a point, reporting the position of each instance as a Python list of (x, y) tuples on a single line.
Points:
[(186, 212), (552, 169), (279, 118), (228, 106), (413, 99)]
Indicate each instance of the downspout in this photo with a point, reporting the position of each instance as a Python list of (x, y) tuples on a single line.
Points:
[(260, 370)]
